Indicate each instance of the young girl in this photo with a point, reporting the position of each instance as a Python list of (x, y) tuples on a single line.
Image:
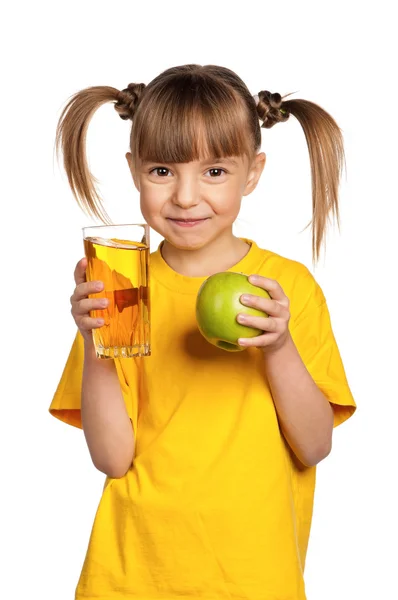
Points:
[(210, 456)]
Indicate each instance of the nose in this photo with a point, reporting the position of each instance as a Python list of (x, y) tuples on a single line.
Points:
[(186, 193)]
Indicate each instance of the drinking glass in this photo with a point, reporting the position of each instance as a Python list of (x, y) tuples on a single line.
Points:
[(118, 255)]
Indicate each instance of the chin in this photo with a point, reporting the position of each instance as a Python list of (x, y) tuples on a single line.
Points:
[(186, 242)]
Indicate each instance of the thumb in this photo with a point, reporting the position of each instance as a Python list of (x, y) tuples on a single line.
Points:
[(80, 271)]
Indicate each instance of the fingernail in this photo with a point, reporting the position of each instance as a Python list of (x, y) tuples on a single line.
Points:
[(242, 342), (98, 285), (245, 298), (104, 302), (100, 321), (241, 318)]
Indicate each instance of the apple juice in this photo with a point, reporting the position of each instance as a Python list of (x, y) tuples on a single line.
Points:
[(123, 267)]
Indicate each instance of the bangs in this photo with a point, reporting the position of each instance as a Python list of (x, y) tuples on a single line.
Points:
[(195, 121)]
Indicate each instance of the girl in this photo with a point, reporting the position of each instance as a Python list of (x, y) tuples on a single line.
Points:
[(210, 456)]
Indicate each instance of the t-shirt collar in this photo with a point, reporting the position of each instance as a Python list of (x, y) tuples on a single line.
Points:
[(163, 273)]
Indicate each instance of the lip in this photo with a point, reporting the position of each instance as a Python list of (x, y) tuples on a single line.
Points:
[(187, 222)]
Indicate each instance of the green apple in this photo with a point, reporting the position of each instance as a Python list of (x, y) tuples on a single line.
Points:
[(218, 304)]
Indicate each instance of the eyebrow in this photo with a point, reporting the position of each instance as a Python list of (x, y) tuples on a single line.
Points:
[(220, 160)]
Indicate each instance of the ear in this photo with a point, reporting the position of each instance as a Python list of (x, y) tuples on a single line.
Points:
[(254, 174), (129, 158)]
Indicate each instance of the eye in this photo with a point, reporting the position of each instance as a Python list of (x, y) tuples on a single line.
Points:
[(161, 171), (217, 172)]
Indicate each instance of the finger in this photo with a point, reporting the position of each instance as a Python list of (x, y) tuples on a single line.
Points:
[(84, 289), (262, 323), (87, 323), (259, 341), (80, 271), (270, 307), (270, 285), (83, 307)]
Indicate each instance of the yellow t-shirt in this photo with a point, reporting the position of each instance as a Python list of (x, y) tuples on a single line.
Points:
[(214, 506)]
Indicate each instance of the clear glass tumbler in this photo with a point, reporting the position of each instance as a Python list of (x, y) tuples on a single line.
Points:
[(118, 255)]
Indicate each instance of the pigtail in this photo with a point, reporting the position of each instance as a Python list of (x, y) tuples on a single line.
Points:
[(326, 150), (71, 138)]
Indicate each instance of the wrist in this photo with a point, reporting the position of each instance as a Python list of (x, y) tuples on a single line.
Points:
[(91, 358), (284, 345), (89, 350)]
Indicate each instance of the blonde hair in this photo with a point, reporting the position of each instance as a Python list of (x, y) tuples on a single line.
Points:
[(191, 111)]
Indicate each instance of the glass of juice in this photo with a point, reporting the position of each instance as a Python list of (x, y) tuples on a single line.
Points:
[(118, 255)]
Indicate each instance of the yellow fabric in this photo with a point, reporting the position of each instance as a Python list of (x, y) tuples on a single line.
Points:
[(215, 506)]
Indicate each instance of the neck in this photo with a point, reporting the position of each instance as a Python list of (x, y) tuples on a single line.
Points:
[(219, 255)]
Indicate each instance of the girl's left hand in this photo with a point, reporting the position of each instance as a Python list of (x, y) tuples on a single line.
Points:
[(275, 326)]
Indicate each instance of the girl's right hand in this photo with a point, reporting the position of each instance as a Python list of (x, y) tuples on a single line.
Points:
[(82, 304)]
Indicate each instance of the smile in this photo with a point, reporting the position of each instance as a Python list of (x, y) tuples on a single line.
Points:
[(188, 222)]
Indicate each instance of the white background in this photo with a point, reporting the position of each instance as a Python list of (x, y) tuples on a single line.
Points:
[(338, 54)]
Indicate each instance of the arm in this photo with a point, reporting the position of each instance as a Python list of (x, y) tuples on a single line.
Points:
[(305, 415), (104, 418), (107, 428)]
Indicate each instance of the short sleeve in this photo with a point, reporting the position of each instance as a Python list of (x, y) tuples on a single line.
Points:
[(66, 403), (314, 338)]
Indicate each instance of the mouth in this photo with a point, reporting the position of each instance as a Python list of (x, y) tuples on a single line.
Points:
[(188, 222)]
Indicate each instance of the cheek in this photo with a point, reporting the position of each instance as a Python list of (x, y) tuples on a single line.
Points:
[(227, 200), (151, 201)]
